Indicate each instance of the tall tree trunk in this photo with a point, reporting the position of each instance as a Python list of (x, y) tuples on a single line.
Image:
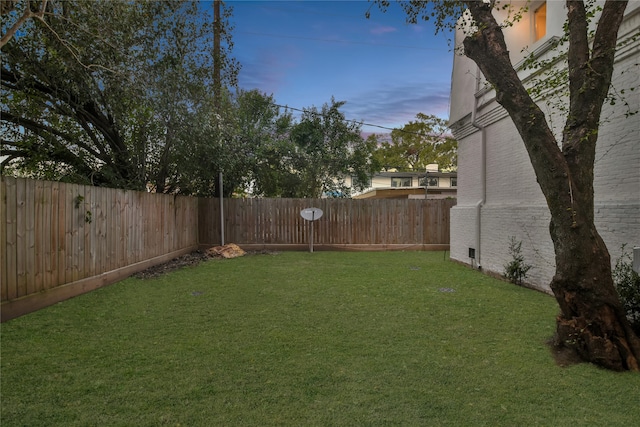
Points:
[(592, 320)]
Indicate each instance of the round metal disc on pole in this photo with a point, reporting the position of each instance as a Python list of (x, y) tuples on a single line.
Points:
[(311, 214)]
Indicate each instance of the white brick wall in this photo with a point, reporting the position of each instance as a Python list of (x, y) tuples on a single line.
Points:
[(515, 205), (463, 233)]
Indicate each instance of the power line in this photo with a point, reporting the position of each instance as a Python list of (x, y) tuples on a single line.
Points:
[(286, 107), (362, 123)]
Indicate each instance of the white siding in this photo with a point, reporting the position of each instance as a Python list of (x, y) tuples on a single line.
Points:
[(514, 204)]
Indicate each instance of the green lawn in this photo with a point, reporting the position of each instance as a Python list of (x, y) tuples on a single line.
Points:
[(322, 339)]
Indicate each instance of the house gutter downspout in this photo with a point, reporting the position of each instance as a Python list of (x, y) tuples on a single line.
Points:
[(483, 170)]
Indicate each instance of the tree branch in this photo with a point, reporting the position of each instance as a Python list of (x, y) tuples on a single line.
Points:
[(487, 48), (578, 55), (26, 15), (82, 111)]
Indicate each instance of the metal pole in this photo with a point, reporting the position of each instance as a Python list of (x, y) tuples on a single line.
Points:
[(221, 210), (217, 31), (313, 215), (426, 184)]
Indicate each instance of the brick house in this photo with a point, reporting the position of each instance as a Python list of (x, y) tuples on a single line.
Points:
[(498, 195)]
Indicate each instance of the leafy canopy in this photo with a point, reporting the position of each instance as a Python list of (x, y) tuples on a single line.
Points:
[(417, 144)]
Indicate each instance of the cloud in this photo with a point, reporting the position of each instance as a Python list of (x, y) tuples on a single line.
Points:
[(380, 29), (396, 105), (269, 70)]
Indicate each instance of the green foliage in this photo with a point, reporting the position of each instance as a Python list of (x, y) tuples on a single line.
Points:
[(231, 141), (312, 156), (627, 283), (550, 75), (121, 94), (418, 144), (110, 92), (449, 15), (516, 270)]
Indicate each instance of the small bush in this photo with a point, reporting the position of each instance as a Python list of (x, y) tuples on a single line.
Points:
[(627, 283), (516, 270)]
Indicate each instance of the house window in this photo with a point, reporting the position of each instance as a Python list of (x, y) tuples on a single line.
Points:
[(431, 182), (454, 182), (401, 182), (540, 21)]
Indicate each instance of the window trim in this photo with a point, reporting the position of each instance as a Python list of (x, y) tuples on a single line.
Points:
[(395, 178)]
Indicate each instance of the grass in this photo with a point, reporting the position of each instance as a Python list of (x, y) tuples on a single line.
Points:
[(322, 339)]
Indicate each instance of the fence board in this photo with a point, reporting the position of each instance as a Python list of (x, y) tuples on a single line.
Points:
[(70, 209), (9, 216), (59, 269), (3, 238), (21, 238), (30, 234)]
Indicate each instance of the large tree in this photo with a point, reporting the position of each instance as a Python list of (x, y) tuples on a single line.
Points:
[(592, 321), (420, 142), (312, 156), (109, 92), (326, 148)]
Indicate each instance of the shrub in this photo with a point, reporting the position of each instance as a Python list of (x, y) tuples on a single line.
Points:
[(627, 283), (516, 270)]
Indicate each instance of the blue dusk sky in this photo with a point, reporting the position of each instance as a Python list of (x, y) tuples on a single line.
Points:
[(305, 52)]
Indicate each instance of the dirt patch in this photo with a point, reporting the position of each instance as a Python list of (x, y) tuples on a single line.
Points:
[(191, 259), (563, 356)]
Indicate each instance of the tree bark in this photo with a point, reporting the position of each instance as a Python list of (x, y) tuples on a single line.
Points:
[(592, 320)]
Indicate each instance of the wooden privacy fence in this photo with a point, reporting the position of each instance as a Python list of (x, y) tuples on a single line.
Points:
[(346, 223), (61, 239)]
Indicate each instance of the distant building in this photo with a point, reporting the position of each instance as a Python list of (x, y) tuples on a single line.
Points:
[(431, 184)]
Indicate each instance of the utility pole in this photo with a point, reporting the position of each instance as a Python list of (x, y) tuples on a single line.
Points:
[(217, 31), (217, 94)]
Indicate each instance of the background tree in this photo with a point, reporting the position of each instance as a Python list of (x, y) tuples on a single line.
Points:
[(109, 92), (592, 321), (311, 157), (325, 149), (238, 139), (417, 144)]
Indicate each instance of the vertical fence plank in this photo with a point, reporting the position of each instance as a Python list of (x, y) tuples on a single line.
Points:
[(21, 237), (89, 239), (3, 239), (76, 227), (39, 237), (9, 267), (114, 229), (131, 213), (59, 274), (70, 212), (51, 234), (30, 234)]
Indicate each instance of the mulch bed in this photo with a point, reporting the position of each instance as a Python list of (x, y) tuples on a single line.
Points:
[(191, 259)]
